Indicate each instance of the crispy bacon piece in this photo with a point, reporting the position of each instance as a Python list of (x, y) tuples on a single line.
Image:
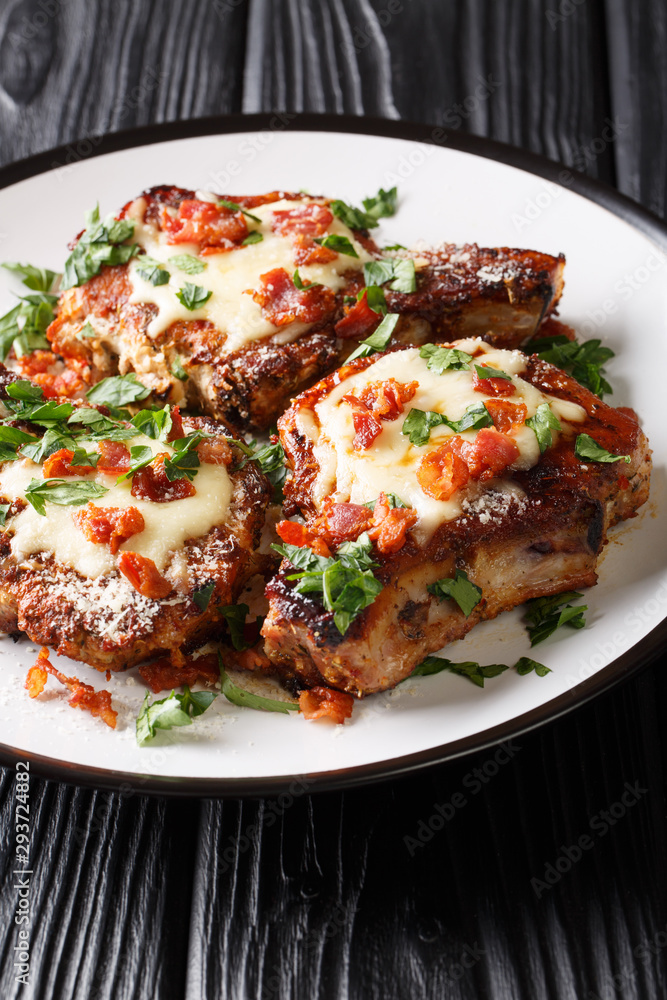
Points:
[(390, 525), (109, 525), (114, 458), (36, 367), (98, 703), (204, 223), (176, 431), (506, 416), (493, 386), (282, 302), (60, 464), (489, 454), (442, 472), (298, 534), (151, 483), (379, 401), (359, 321), (37, 362), (325, 703), (164, 675), (309, 219), (143, 575), (307, 251)]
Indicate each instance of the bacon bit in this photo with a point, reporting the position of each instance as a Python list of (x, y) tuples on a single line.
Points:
[(325, 703), (310, 219), (299, 535), (143, 575), (163, 674), (68, 383), (98, 703), (60, 464), (112, 525), (342, 522), (114, 458), (390, 525), (215, 451), (358, 321), (379, 401), (307, 251), (623, 483), (489, 454), (176, 425), (37, 362), (282, 302), (204, 223), (442, 472), (506, 416), (253, 658), (151, 483), (493, 386)]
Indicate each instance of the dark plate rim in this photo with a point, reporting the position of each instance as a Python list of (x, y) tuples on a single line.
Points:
[(640, 656)]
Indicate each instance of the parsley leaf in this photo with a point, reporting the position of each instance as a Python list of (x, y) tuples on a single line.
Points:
[(24, 327), (100, 243), (186, 262), (237, 208), (53, 440), (235, 616), (344, 583), (193, 296), (253, 237), (589, 450), (177, 369), (441, 359), (152, 271), (24, 390), (374, 297), (405, 277), (184, 463), (81, 457), (244, 699), (39, 279), (271, 460), (354, 218), (97, 427), (419, 423), (458, 588), (117, 390), (543, 423), (86, 332), (475, 672), (62, 492), (169, 713), (545, 614), (487, 371), (378, 340), (153, 422), (382, 204), (475, 416), (400, 272), (302, 285), (392, 500), (526, 666), (378, 272), (202, 595), (395, 246), (140, 456), (339, 244), (583, 361), (4, 510)]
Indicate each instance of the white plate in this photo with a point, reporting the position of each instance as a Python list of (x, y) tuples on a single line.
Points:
[(455, 189)]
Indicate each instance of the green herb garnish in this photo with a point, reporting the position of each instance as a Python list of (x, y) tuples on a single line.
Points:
[(543, 423), (441, 359), (184, 463), (589, 450), (154, 422), (487, 371), (140, 456), (302, 285), (177, 369), (62, 492), (118, 390), (187, 263), (244, 699), (378, 340), (39, 279), (193, 296), (254, 237), (237, 208), (202, 595), (101, 243), (457, 588), (235, 615), (152, 271), (584, 362), (545, 614), (339, 244), (172, 712)]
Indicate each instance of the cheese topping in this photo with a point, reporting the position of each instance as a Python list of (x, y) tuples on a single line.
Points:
[(390, 464), (229, 276), (167, 525)]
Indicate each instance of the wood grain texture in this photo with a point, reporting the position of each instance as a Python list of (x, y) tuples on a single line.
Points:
[(323, 896)]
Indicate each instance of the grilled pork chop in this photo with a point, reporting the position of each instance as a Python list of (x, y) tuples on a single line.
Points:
[(268, 290), (502, 511), (112, 572)]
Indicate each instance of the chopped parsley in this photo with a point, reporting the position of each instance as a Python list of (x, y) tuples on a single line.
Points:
[(545, 614), (235, 615), (374, 297), (392, 500), (187, 263), (583, 361), (381, 205), (419, 423), (39, 279), (302, 285), (177, 369), (543, 423), (253, 237), (118, 390), (62, 492), (100, 243), (53, 440), (378, 340), (476, 672), (344, 583), (457, 588), (588, 450), (401, 274), (24, 327), (271, 460), (244, 699), (172, 712), (193, 296), (339, 244), (440, 359), (202, 595), (4, 510), (487, 371), (153, 422), (86, 332), (526, 666), (140, 456), (184, 463), (235, 207), (152, 271)]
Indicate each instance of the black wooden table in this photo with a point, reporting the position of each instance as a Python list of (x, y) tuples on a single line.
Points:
[(135, 897)]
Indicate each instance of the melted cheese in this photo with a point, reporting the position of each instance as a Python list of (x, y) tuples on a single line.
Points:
[(229, 276), (167, 525), (390, 464)]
